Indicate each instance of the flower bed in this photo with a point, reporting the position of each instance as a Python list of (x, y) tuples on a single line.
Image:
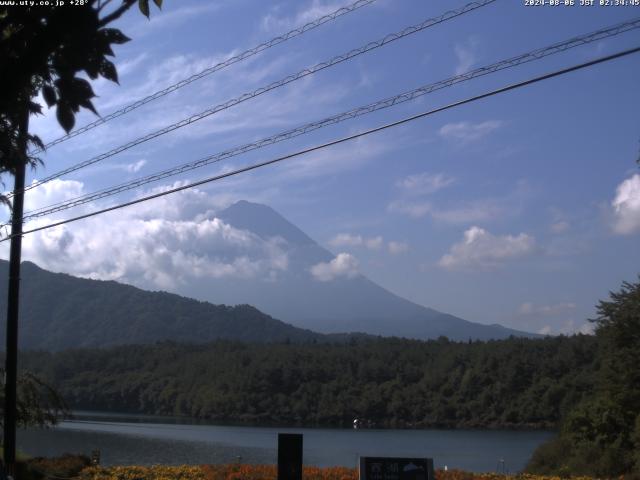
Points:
[(266, 472)]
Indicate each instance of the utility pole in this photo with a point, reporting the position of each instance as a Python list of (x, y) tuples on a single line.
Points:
[(11, 359)]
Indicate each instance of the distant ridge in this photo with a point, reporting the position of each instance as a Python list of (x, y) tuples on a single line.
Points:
[(59, 311)]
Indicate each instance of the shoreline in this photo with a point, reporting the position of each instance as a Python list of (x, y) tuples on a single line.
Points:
[(136, 417)]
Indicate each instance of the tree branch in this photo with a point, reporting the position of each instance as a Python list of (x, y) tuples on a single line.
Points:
[(103, 4), (117, 13)]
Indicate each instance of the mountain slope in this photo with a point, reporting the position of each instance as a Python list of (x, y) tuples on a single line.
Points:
[(58, 311), (342, 305)]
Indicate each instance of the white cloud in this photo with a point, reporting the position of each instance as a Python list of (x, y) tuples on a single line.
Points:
[(552, 319), (424, 183), (135, 166), (161, 21), (568, 327), (481, 250), (52, 192), (467, 131), (349, 240), (273, 21), (374, 243), (212, 90), (464, 213), (131, 65), (343, 265), (158, 244), (474, 212), (280, 112), (546, 330), (626, 206), (466, 54), (396, 248), (586, 328), (479, 211), (346, 240)]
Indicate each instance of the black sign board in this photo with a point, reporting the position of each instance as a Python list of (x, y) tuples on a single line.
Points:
[(289, 456), (389, 468)]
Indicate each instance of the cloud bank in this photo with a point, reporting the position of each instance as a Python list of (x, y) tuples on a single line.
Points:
[(626, 206), (159, 244), (480, 249), (343, 265)]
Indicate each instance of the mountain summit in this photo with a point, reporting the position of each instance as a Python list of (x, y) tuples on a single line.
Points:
[(264, 222), (344, 304)]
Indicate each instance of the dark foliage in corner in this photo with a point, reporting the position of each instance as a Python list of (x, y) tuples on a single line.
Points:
[(601, 436), (45, 49)]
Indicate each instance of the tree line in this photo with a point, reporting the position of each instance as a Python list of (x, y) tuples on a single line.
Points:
[(514, 383)]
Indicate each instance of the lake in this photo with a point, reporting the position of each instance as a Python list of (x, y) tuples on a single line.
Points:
[(147, 440)]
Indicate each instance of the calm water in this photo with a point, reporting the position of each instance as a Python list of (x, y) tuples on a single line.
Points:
[(127, 440)]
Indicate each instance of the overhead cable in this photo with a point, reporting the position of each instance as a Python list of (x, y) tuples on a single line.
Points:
[(272, 86), (354, 113), (338, 141), (208, 71)]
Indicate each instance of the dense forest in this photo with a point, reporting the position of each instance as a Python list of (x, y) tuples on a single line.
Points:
[(519, 383)]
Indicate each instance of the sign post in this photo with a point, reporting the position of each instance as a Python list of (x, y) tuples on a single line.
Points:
[(289, 456)]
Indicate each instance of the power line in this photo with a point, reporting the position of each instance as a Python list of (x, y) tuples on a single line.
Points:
[(341, 140), (392, 37), (354, 113), (208, 71)]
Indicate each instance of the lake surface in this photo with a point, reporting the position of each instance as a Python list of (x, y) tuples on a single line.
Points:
[(147, 440)]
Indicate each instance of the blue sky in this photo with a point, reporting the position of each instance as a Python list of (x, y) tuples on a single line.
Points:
[(522, 209)]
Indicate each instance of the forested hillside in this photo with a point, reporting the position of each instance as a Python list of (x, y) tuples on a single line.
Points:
[(390, 382), (63, 311)]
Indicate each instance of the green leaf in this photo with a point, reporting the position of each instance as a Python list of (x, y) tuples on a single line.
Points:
[(82, 88), (89, 106), (108, 71), (113, 35), (92, 66), (144, 7), (158, 3), (65, 116), (49, 95), (37, 141), (35, 108)]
